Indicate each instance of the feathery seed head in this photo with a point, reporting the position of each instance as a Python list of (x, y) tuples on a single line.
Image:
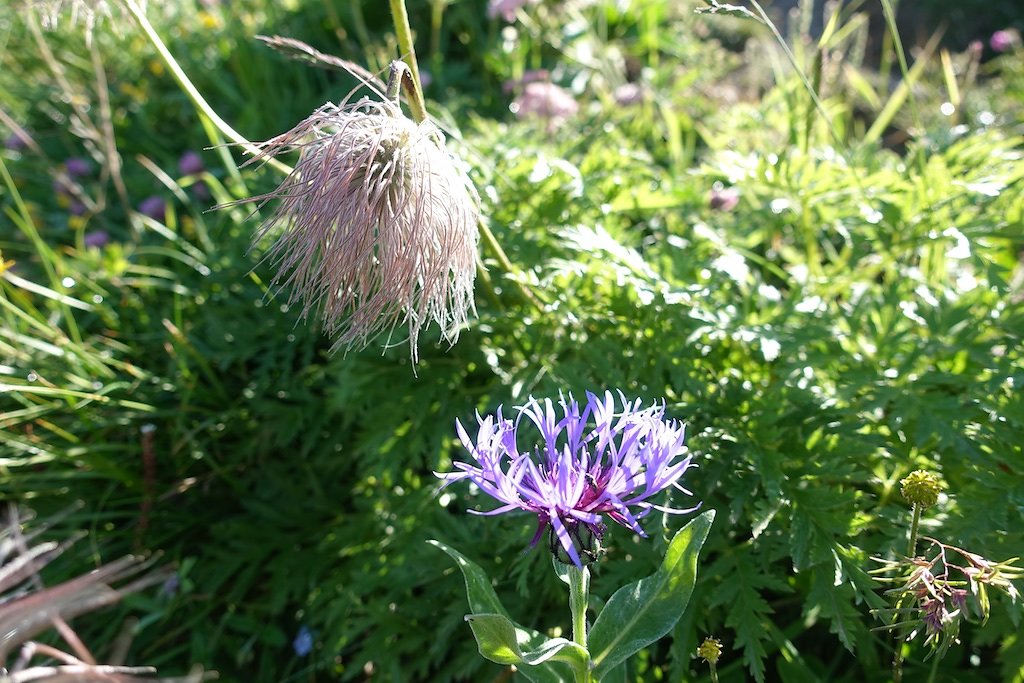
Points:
[(379, 224)]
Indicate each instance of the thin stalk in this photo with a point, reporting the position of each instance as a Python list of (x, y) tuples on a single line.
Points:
[(766, 20), (47, 257), (889, 11), (492, 243), (915, 522), (193, 94), (897, 659), (106, 120), (418, 109)]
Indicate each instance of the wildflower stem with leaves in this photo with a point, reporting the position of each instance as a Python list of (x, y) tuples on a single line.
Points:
[(604, 458)]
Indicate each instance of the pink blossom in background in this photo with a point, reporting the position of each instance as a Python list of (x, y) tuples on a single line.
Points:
[(529, 76), (506, 9), (545, 100), (723, 198), (1004, 40), (628, 94)]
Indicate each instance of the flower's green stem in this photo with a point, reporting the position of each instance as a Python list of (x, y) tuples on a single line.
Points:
[(418, 109), (404, 34), (897, 659), (914, 523), (579, 596)]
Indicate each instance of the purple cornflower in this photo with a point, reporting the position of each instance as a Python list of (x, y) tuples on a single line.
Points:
[(591, 462), (201, 191), (170, 586)]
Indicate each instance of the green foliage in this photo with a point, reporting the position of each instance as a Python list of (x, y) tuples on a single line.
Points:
[(634, 617), (856, 317)]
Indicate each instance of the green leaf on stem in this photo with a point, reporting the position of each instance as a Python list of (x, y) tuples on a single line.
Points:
[(491, 626), (642, 612), (500, 641)]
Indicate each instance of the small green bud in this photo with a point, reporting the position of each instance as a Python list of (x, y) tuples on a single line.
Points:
[(921, 487), (586, 538), (710, 650)]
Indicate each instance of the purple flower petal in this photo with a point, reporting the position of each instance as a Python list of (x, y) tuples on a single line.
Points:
[(154, 207), (190, 163), (78, 167), (589, 462)]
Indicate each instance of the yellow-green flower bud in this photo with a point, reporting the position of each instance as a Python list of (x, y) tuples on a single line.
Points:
[(921, 487), (710, 650)]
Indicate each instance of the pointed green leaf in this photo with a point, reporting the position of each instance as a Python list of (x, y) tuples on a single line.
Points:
[(616, 675), (644, 611), (484, 602), (482, 598), (500, 641)]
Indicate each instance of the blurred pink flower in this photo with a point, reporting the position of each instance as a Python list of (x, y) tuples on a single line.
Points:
[(628, 93), (545, 101), (723, 198), (505, 8), (1004, 40), (529, 76)]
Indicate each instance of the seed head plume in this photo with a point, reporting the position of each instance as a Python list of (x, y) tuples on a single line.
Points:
[(379, 224)]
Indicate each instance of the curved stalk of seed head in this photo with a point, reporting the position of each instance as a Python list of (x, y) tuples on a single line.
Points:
[(396, 70), (193, 94), (418, 110), (404, 34)]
